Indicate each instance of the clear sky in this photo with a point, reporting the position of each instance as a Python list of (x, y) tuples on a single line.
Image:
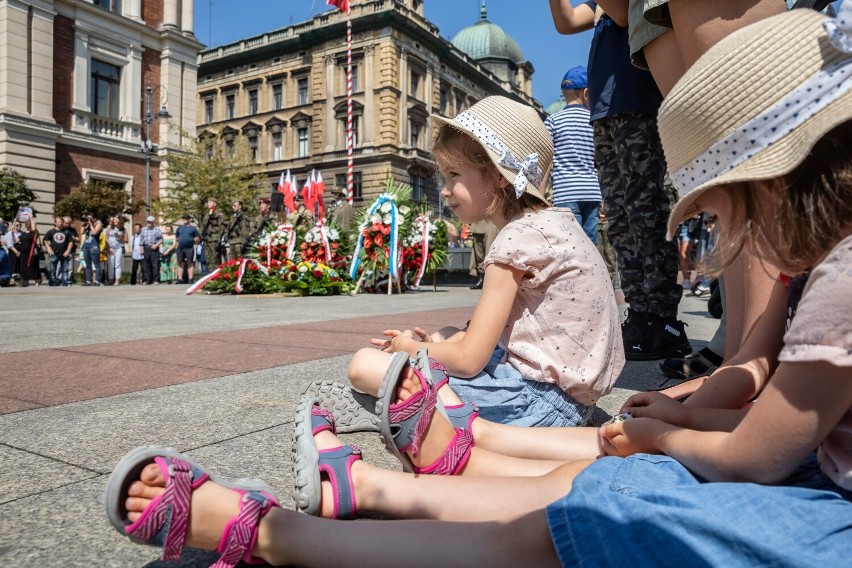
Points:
[(528, 22)]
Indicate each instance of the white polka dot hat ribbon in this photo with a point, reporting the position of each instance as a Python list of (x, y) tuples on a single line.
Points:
[(781, 118), (528, 170)]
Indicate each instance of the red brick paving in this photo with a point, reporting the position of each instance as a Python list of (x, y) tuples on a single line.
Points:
[(48, 377)]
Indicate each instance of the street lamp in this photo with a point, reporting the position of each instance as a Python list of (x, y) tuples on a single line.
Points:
[(148, 147)]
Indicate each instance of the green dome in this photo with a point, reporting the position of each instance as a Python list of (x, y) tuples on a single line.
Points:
[(485, 40), (555, 107)]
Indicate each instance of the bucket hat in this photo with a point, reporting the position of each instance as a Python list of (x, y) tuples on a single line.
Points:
[(515, 139), (754, 105)]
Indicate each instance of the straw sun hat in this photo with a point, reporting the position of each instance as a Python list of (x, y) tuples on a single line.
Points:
[(756, 103), (515, 139)]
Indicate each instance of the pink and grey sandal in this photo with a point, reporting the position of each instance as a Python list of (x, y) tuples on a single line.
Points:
[(309, 462), (403, 424), (166, 519)]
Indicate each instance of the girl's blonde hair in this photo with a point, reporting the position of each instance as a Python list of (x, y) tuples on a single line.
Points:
[(455, 148), (811, 208)]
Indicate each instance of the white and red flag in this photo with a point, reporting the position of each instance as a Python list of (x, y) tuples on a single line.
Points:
[(319, 190), (343, 5), (285, 187)]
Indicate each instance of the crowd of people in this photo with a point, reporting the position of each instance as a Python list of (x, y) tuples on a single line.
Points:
[(749, 109)]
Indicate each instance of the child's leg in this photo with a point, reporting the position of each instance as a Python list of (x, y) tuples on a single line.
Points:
[(289, 538), (664, 61), (367, 368)]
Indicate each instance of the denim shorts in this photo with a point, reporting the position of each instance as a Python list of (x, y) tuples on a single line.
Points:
[(504, 396), (649, 510)]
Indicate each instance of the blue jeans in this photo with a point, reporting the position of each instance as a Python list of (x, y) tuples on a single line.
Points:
[(649, 510), (59, 270), (586, 213), (92, 258), (503, 395)]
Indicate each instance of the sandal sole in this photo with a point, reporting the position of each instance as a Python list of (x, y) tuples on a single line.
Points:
[(387, 393), (130, 466), (353, 411), (307, 491)]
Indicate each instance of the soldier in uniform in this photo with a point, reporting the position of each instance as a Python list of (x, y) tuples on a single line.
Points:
[(301, 218), (212, 225), (264, 221), (342, 212), (239, 230)]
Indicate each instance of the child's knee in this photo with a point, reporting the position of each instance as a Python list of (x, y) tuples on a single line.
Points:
[(366, 369)]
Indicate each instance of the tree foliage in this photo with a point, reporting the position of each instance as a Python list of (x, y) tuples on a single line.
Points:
[(211, 169), (98, 199), (13, 193)]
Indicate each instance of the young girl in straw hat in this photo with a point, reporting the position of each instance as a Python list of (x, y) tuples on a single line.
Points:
[(547, 301), (731, 488)]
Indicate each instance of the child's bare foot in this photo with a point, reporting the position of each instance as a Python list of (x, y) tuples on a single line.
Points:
[(212, 507)]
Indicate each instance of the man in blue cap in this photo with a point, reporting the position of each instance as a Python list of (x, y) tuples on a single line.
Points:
[(575, 179)]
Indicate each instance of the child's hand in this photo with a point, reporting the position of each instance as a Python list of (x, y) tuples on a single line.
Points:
[(658, 406), (385, 344), (634, 436)]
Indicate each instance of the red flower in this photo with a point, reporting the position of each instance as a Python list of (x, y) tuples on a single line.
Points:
[(317, 273)]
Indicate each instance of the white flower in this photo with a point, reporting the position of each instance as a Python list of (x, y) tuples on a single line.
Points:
[(404, 209), (334, 234), (375, 218), (386, 219), (386, 207)]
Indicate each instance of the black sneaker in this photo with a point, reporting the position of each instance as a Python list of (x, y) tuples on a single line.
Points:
[(702, 363), (664, 337), (634, 327)]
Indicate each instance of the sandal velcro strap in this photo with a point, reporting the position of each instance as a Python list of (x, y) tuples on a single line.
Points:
[(454, 457), (420, 407), (337, 463), (240, 534)]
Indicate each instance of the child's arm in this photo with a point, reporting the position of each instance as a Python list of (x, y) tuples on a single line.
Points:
[(799, 407), (466, 356), (569, 20), (742, 376), (615, 9)]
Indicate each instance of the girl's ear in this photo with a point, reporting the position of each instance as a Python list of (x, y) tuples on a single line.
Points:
[(504, 183)]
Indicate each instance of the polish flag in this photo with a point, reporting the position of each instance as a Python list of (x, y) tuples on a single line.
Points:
[(308, 192), (286, 187), (282, 185), (319, 189), (341, 4)]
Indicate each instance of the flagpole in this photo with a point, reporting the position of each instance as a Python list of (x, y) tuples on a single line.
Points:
[(349, 138)]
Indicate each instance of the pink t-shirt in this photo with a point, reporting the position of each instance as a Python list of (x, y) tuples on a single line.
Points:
[(822, 331), (563, 327)]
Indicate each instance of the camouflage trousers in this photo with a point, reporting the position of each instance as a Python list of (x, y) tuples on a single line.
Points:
[(632, 170)]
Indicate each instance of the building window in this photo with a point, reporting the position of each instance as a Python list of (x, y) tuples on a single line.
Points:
[(252, 106), (302, 85), (303, 142), (418, 187), (230, 107), (252, 143), (106, 80), (277, 148), (444, 101), (229, 147), (111, 5), (340, 180), (459, 103), (277, 97), (344, 130), (208, 111), (415, 84), (355, 87), (415, 129)]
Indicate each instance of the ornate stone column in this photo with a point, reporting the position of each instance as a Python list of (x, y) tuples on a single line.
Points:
[(133, 9), (331, 125), (367, 74), (170, 14), (404, 84), (186, 18)]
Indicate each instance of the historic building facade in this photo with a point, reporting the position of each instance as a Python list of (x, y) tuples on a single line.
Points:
[(285, 92), (73, 80)]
